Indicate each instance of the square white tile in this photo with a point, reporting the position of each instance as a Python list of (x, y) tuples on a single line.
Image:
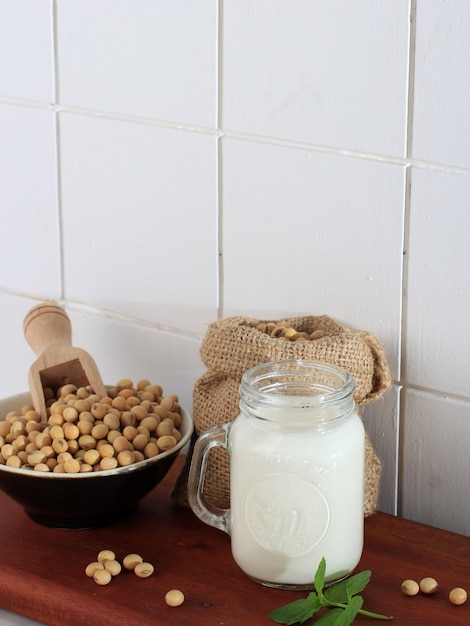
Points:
[(26, 50), (435, 471), (150, 59), (438, 293), (381, 421), (441, 120), (17, 355), (313, 233), (330, 73), (140, 220), (29, 250)]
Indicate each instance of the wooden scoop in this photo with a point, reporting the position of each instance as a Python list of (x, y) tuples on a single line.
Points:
[(48, 331)]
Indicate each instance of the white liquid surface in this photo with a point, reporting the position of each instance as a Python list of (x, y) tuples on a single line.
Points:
[(296, 497)]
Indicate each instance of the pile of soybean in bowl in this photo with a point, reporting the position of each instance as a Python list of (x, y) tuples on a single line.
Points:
[(87, 433)]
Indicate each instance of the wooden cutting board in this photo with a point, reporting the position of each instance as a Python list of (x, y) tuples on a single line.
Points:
[(42, 571)]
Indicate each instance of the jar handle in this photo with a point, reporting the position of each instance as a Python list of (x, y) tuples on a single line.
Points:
[(204, 510)]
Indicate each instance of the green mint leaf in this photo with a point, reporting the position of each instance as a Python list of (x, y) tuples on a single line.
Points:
[(348, 615), (329, 619), (344, 605), (357, 583), (319, 581), (297, 612), (337, 593), (342, 591)]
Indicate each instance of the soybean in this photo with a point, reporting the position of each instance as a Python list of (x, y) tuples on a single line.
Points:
[(458, 596), (138, 421), (428, 585), (106, 555), (91, 457), (13, 461), (60, 445), (174, 597), (131, 561), (410, 587), (113, 567), (41, 467), (70, 414), (143, 570), (108, 463), (126, 457), (283, 330), (72, 466), (102, 576), (140, 441), (71, 431), (106, 566), (166, 442), (92, 567)]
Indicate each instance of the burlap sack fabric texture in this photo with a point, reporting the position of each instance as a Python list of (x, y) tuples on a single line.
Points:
[(235, 344)]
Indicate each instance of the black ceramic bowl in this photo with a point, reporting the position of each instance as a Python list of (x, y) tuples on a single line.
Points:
[(85, 500)]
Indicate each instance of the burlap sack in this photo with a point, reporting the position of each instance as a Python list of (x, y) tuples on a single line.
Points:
[(233, 345)]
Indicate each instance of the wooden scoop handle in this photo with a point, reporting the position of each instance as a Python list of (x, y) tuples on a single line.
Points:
[(45, 325)]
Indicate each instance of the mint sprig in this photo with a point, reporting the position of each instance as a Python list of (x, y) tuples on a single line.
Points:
[(341, 599)]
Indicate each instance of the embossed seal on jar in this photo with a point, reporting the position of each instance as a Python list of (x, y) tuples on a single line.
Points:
[(286, 515)]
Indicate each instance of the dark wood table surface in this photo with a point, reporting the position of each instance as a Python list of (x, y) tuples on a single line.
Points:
[(42, 571)]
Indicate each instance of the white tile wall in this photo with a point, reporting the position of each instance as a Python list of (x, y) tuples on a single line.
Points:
[(435, 472), (437, 331), (146, 225), (167, 163), (332, 233), (30, 246), (441, 129), (332, 73), (17, 356), (151, 59), (26, 50), (381, 420)]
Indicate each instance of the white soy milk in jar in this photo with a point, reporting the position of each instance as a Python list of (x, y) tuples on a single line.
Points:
[(297, 453), (296, 496)]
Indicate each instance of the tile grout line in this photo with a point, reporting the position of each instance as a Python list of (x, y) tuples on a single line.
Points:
[(55, 39), (241, 136), (219, 164), (406, 251), (88, 309), (57, 147), (411, 80)]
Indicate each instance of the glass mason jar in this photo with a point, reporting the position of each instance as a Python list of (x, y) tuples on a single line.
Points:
[(297, 453)]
